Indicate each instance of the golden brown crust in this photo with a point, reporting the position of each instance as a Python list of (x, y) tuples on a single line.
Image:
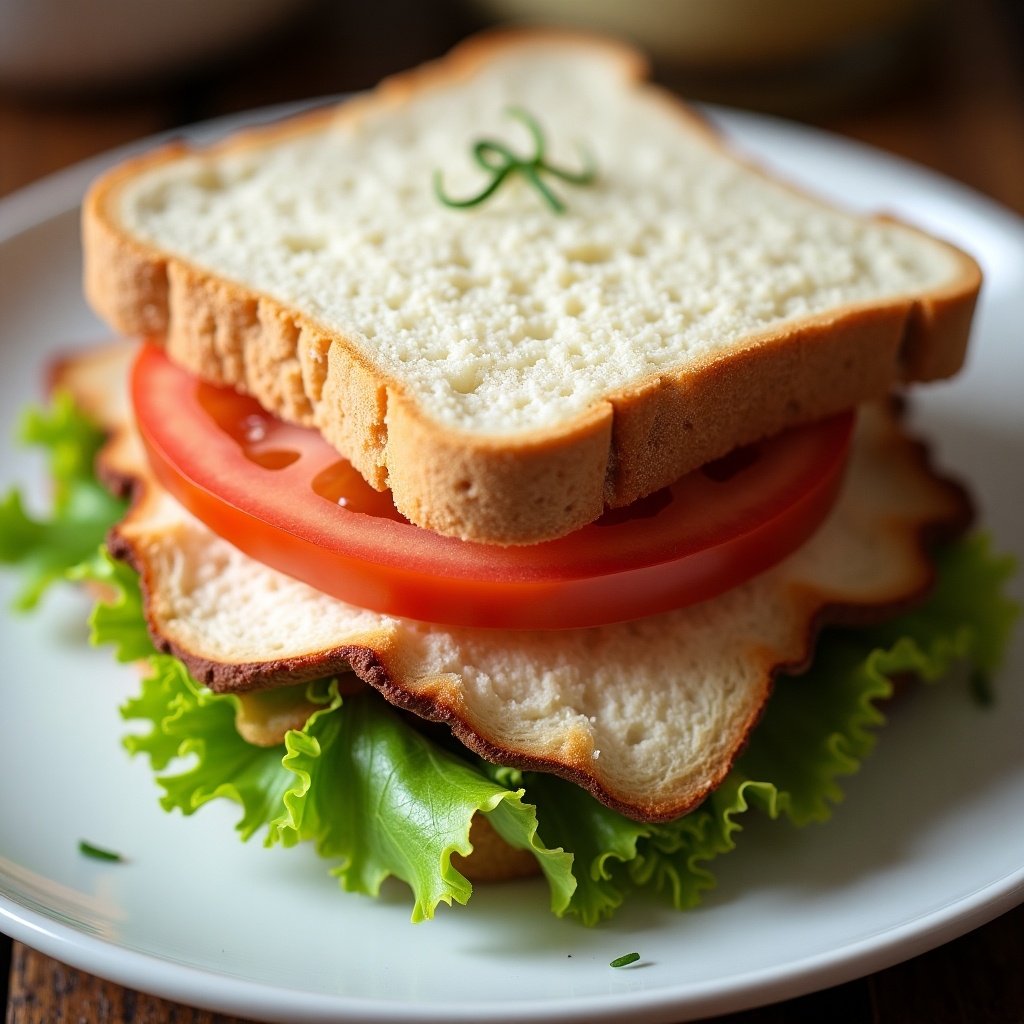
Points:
[(937, 332), (532, 487)]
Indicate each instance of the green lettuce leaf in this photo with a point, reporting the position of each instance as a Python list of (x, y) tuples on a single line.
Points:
[(356, 780), (44, 550), (188, 719), (675, 854), (968, 617), (118, 619), (384, 799), (601, 840), (821, 725)]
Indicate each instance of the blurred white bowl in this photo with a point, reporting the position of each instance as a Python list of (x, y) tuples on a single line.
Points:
[(62, 44)]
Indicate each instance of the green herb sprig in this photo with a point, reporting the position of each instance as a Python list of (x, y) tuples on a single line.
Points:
[(501, 162), (625, 961), (97, 853)]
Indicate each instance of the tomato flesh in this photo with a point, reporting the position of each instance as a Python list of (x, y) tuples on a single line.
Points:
[(282, 495)]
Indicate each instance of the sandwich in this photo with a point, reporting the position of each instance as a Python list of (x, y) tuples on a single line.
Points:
[(498, 452)]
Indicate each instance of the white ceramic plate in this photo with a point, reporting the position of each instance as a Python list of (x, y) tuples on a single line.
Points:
[(929, 843)]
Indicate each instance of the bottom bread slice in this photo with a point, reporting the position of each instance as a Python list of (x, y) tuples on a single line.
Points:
[(647, 715)]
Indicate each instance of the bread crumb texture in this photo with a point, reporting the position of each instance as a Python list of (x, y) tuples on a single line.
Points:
[(507, 318)]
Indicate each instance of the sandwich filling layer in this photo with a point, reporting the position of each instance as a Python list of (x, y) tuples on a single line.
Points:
[(648, 716), (381, 791)]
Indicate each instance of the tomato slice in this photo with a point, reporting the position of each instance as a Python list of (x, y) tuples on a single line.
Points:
[(281, 494)]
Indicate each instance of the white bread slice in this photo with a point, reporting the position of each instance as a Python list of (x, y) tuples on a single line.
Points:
[(507, 371), (648, 715)]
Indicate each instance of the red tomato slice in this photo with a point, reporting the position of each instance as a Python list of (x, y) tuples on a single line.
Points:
[(281, 494)]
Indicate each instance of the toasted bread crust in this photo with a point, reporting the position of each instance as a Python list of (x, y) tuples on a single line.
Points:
[(529, 487)]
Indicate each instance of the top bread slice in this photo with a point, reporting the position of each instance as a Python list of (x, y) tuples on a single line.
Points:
[(509, 371)]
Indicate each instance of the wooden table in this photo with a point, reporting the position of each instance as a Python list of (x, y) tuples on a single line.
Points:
[(961, 112)]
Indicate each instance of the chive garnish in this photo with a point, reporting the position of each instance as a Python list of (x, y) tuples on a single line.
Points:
[(625, 961), (97, 853), (498, 160)]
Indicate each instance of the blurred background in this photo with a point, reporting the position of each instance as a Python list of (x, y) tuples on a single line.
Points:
[(939, 81)]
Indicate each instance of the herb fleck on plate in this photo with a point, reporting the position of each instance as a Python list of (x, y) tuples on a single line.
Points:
[(625, 961), (98, 853)]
